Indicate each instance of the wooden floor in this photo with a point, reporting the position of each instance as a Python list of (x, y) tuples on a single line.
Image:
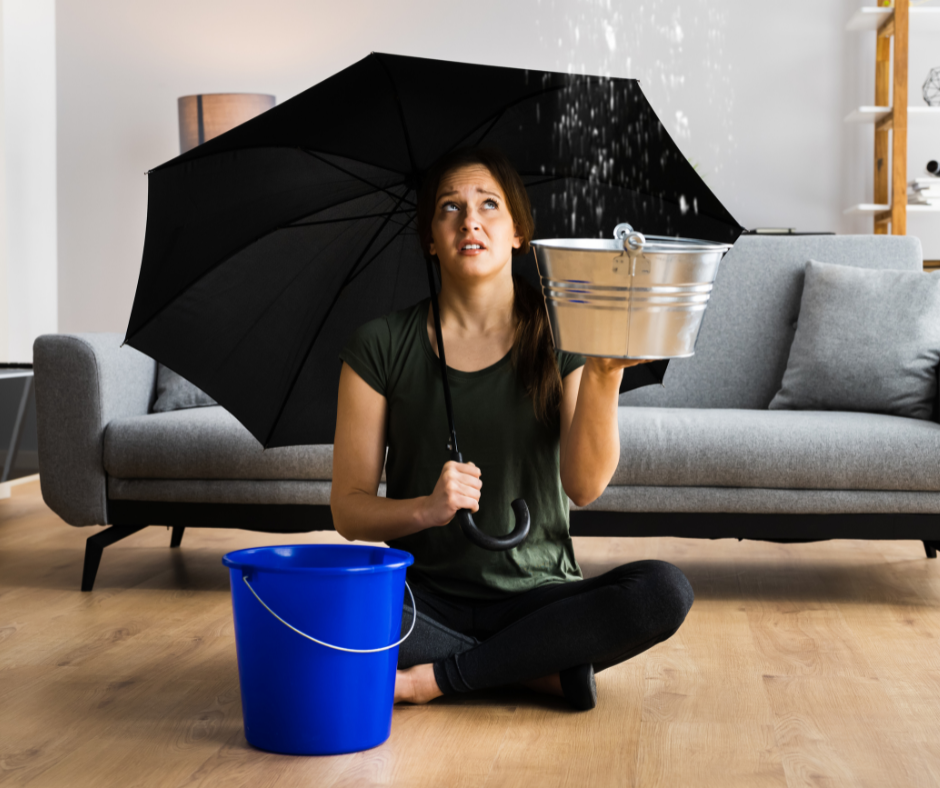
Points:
[(799, 665)]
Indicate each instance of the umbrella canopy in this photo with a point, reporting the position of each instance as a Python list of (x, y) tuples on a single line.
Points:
[(267, 246)]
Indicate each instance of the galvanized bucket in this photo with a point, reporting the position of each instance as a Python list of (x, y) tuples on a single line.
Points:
[(633, 297)]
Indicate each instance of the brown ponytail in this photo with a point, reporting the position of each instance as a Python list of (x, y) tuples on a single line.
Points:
[(533, 356), (532, 353)]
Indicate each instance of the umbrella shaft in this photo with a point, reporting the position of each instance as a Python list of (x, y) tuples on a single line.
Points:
[(435, 308)]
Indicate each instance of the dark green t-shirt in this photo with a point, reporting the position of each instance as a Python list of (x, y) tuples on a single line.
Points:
[(496, 430)]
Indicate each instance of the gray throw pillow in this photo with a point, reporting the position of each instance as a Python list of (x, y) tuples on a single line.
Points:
[(174, 392), (866, 340)]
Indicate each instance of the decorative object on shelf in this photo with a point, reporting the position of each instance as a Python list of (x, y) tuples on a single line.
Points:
[(924, 191), (208, 115), (933, 167), (931, 89)]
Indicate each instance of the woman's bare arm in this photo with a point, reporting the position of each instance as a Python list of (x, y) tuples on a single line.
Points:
[(358, 458), (590, 437)]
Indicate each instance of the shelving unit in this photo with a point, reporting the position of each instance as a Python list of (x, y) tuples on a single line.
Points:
[(889, 23), (890, 113)]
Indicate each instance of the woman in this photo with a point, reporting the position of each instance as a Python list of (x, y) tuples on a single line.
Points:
[(540, 422)]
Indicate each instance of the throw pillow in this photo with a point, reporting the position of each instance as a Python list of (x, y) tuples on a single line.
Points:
[(174, 392), (866, 340)]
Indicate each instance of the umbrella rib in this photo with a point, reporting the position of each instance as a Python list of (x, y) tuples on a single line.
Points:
[(358, 177), (496, 118), (355, 274), (401, 115), (326, 314)]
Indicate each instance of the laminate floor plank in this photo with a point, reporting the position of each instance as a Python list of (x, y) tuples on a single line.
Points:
[(820, 749), (549, 744), (706, 718), (460, 739), (710, 755), (161, 717)]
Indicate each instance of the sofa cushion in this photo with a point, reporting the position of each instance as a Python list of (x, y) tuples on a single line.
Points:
[(174, 392), (748, 327), (779, 449), (865, 340), (204, 443)]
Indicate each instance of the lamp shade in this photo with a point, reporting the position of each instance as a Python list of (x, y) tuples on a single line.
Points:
[(208, 115)]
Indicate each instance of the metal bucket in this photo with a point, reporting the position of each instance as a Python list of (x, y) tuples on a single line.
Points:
[(633, 297)]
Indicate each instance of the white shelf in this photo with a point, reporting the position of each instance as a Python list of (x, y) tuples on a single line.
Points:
[(872, 208), (866, 208), (922, 113), (872, 18), (915, 114), (868, 18), (867, 114)]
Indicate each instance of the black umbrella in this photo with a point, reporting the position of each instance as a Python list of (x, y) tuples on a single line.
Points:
[(267, 246)]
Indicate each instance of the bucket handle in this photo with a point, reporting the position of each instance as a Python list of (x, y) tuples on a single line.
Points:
[(414, 617)]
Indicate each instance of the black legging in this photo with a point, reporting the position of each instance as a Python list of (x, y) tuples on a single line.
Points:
[(604, 620)]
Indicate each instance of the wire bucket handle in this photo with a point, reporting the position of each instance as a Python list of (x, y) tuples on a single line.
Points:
[(414, 617)]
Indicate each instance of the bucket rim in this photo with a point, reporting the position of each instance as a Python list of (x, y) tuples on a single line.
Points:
[(241, 559), (655, 244)]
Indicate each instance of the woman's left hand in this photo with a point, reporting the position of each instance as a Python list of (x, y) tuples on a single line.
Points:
[(608, 365)]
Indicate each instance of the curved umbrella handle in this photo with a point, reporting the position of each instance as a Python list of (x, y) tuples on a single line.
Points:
[(495, 543), (487, 542)]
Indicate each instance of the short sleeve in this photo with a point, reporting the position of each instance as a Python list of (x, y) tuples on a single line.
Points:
[(368, 351), (568, 362)]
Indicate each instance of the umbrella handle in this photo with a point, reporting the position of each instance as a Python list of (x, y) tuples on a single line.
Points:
[(473, 533)]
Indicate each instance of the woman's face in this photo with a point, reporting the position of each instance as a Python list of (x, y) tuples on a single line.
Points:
[(472, 232)]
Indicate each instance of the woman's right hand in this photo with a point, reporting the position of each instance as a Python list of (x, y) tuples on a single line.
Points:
[(458, 487)]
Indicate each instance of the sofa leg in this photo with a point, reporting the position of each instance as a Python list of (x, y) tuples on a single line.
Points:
[(177, 536), (95, 545), (931, 548)]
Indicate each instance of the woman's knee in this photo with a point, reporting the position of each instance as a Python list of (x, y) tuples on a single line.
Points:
[(664, 589)]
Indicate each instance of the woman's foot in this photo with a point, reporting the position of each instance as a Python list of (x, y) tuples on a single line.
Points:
[(416, 685), (579, 687), (550, 685), (576, 685)]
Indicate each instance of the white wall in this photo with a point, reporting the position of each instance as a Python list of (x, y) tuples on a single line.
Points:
[(4, 235), (28, 275), (754, 92)]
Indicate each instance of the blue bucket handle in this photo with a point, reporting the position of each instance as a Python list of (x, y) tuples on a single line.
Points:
[(414, 617)]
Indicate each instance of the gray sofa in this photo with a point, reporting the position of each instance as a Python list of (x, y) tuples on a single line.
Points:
[(701, 456)]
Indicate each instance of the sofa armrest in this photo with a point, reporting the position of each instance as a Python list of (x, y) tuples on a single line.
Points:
[(83, 381)]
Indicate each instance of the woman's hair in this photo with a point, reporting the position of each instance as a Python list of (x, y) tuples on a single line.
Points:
[(533, 356)]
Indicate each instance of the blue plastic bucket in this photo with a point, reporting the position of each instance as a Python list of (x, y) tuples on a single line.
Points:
[(317, 698)]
